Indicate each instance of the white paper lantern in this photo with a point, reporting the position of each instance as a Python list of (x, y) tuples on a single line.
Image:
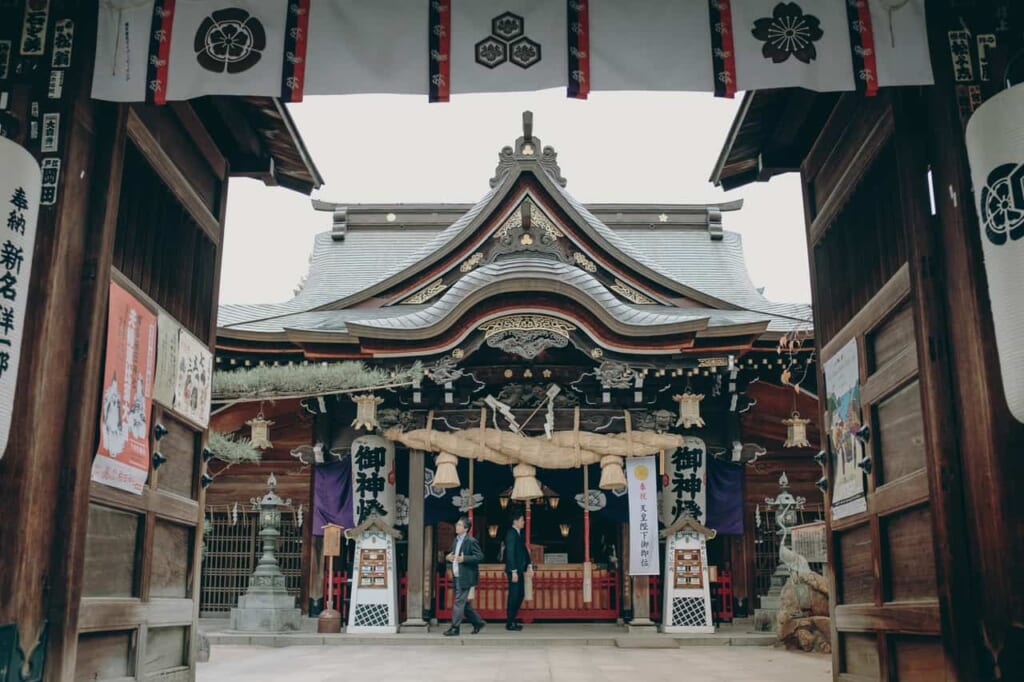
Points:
[(995, 150)]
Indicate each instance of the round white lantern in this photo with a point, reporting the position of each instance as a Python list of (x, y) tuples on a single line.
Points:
[(995, 150)]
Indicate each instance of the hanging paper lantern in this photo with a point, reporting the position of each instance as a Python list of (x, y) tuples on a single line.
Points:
[(689, 409), (995, 149), (796, 432), (446, 476), (366, 411), (612, 475), (260, 432), (526, 486)]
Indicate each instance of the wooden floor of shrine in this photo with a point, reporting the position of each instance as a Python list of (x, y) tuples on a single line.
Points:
[(738, 633)]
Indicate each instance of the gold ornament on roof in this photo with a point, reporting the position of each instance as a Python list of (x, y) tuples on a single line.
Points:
[(426, 293), (366, 411), (584, 262), (538, 221), (631, 294), (689, 409), (796, 431), (522, 323), (470, 263)]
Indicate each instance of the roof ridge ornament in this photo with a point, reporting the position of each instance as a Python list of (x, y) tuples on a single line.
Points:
[(526, 150)]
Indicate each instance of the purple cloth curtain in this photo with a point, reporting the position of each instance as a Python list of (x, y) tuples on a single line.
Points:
[(725, 497), (332, 495)]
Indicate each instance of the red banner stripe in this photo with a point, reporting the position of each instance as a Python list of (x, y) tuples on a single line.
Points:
[(164, 54), (579, 48), (445, 40), (728, 53), (867, 44), (439, 45), (295, 63)]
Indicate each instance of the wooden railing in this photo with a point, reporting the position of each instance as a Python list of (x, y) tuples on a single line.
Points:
[(557, 595)]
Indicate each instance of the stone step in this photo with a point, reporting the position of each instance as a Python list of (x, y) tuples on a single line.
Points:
[(540, 637)]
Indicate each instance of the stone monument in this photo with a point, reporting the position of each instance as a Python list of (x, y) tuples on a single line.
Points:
[(266, 606)]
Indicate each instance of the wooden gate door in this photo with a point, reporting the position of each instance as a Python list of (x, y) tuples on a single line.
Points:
[(129, 611), (867, 205)]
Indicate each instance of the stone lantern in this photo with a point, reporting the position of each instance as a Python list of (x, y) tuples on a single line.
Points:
[(266, 605)]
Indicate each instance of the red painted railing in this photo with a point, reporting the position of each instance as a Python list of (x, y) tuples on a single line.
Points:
[(557, 595), (341, 588), (721, 593), (654, 588)]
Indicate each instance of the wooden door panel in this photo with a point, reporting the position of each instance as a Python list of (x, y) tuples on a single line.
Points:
[(918, 659), (859, 654), (899, 448), (908, 556), (171, 573), (105, 656), (178, 473), (855, 579), (166, 649), (111, 552)]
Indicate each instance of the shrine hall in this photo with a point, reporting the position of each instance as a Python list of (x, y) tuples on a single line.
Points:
[(547, 338)]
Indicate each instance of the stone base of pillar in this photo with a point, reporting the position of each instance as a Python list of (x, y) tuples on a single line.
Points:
[(414, 625), (265, 612), (641, 626)]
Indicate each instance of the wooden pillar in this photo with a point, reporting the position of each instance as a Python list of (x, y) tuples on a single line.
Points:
[(428, 567), (414, 570), (641, 601)]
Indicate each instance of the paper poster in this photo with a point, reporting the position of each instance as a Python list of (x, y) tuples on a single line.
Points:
[(193, 380), (643, 515), (20, 180), (166, 360), (123, 457), (842, 381), (684, 490)]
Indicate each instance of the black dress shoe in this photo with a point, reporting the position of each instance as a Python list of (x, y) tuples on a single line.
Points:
[(513, 627), (451, 632), (478, 627)]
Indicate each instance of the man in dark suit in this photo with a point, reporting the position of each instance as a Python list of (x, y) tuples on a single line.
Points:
[(465, 558), (517, 566)]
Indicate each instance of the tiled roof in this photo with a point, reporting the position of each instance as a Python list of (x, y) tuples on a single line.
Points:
[(683, 253)]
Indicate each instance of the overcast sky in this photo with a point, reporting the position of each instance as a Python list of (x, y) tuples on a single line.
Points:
[(614, 147)]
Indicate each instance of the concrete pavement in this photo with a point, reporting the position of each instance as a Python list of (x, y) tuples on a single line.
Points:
[(495, 663)]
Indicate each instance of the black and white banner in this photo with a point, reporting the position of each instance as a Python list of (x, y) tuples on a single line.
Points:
[(164, 50)]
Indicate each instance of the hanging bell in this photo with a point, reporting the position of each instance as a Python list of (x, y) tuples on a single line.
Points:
[(796, 432), (366, 411), (689, 409), (260, 432)]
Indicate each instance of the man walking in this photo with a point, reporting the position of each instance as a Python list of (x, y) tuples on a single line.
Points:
[(465, 558), (517, 567)]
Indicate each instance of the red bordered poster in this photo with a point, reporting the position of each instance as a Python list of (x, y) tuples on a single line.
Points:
[(122, 460)]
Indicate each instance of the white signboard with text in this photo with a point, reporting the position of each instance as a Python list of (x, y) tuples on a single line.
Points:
[(20, 185), (643, 515)]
